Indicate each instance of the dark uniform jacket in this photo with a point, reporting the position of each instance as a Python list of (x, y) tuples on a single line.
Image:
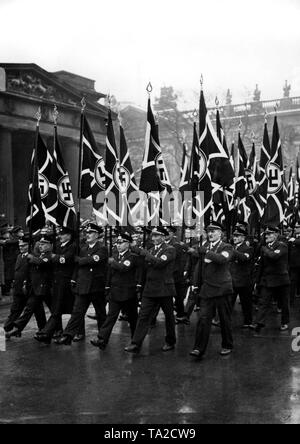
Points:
[(294, 254), (41, 274), (160, 272), (217, 281), (241, 267), (180, 260), (10, 253), (197, 278), (21, 278), (63, 270), (123, 277), (91, 270), (274, 265)]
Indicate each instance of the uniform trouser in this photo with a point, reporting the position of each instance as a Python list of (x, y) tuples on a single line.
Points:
[(295, 280), (245, 294), (81, 306), (208, 307), (266, 296), (148, 309), (191, 302), (34, 305), (6, 287), (181, 289), (129, 307)]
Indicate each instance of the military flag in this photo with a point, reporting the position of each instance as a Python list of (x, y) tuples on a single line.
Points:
[(274, 212), (155, 182), (93, 174), (127, 183), (113, 181), (291, 210), (252, 176), (35, 218), (241, 185), (264, 161), (60, 207)]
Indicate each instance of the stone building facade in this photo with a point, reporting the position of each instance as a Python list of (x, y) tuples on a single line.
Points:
[(176, 126), (23, 89)]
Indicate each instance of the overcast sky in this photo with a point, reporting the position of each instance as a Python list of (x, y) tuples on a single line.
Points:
[(122, 44)]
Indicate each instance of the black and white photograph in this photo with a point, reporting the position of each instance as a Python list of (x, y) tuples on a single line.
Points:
[(149, 215)]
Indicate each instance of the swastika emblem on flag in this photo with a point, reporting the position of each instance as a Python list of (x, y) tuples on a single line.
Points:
[(44, 186), (121, 178), (100, 173), (252, 183), (275, 178), (65, 192)]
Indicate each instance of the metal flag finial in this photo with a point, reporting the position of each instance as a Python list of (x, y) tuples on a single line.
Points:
[(195, 115), (201, 81), (266, 117), (38, 116), (55, 115), (253, 136), (149, 88), (276, 108), (83, 104), (120, 118), (217, 102), (108, 99), (240, 125)]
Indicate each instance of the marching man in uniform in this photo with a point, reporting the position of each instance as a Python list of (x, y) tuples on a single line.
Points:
[(241, 269), (62, 300), (215, 293), (90, 281), (158, 292), (273, 278), (123, 291)]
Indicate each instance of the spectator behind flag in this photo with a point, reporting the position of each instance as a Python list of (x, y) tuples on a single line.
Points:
[(93, 174), (35, 219), (60, 202), (274, 213), (155, 180)]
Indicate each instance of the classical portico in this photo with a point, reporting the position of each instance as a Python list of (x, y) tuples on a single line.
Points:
[(23, 89)]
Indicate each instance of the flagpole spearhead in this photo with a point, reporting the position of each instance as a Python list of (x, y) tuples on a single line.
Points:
[(276, 108), (195, 115), (55, 115), (266, 117), (108, 99), (38, 116), (83, 104), (217, 103), (201, 82), (240, 125), (149, 89), (253, 136)]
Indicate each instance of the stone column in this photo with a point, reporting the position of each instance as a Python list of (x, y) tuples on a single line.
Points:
[(6, 175)]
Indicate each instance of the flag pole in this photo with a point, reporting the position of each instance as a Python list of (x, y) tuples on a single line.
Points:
[(38, 118), (55, 119), (83, 106)]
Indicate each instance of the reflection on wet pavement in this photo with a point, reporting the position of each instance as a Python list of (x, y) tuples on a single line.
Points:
[(258, 383)]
